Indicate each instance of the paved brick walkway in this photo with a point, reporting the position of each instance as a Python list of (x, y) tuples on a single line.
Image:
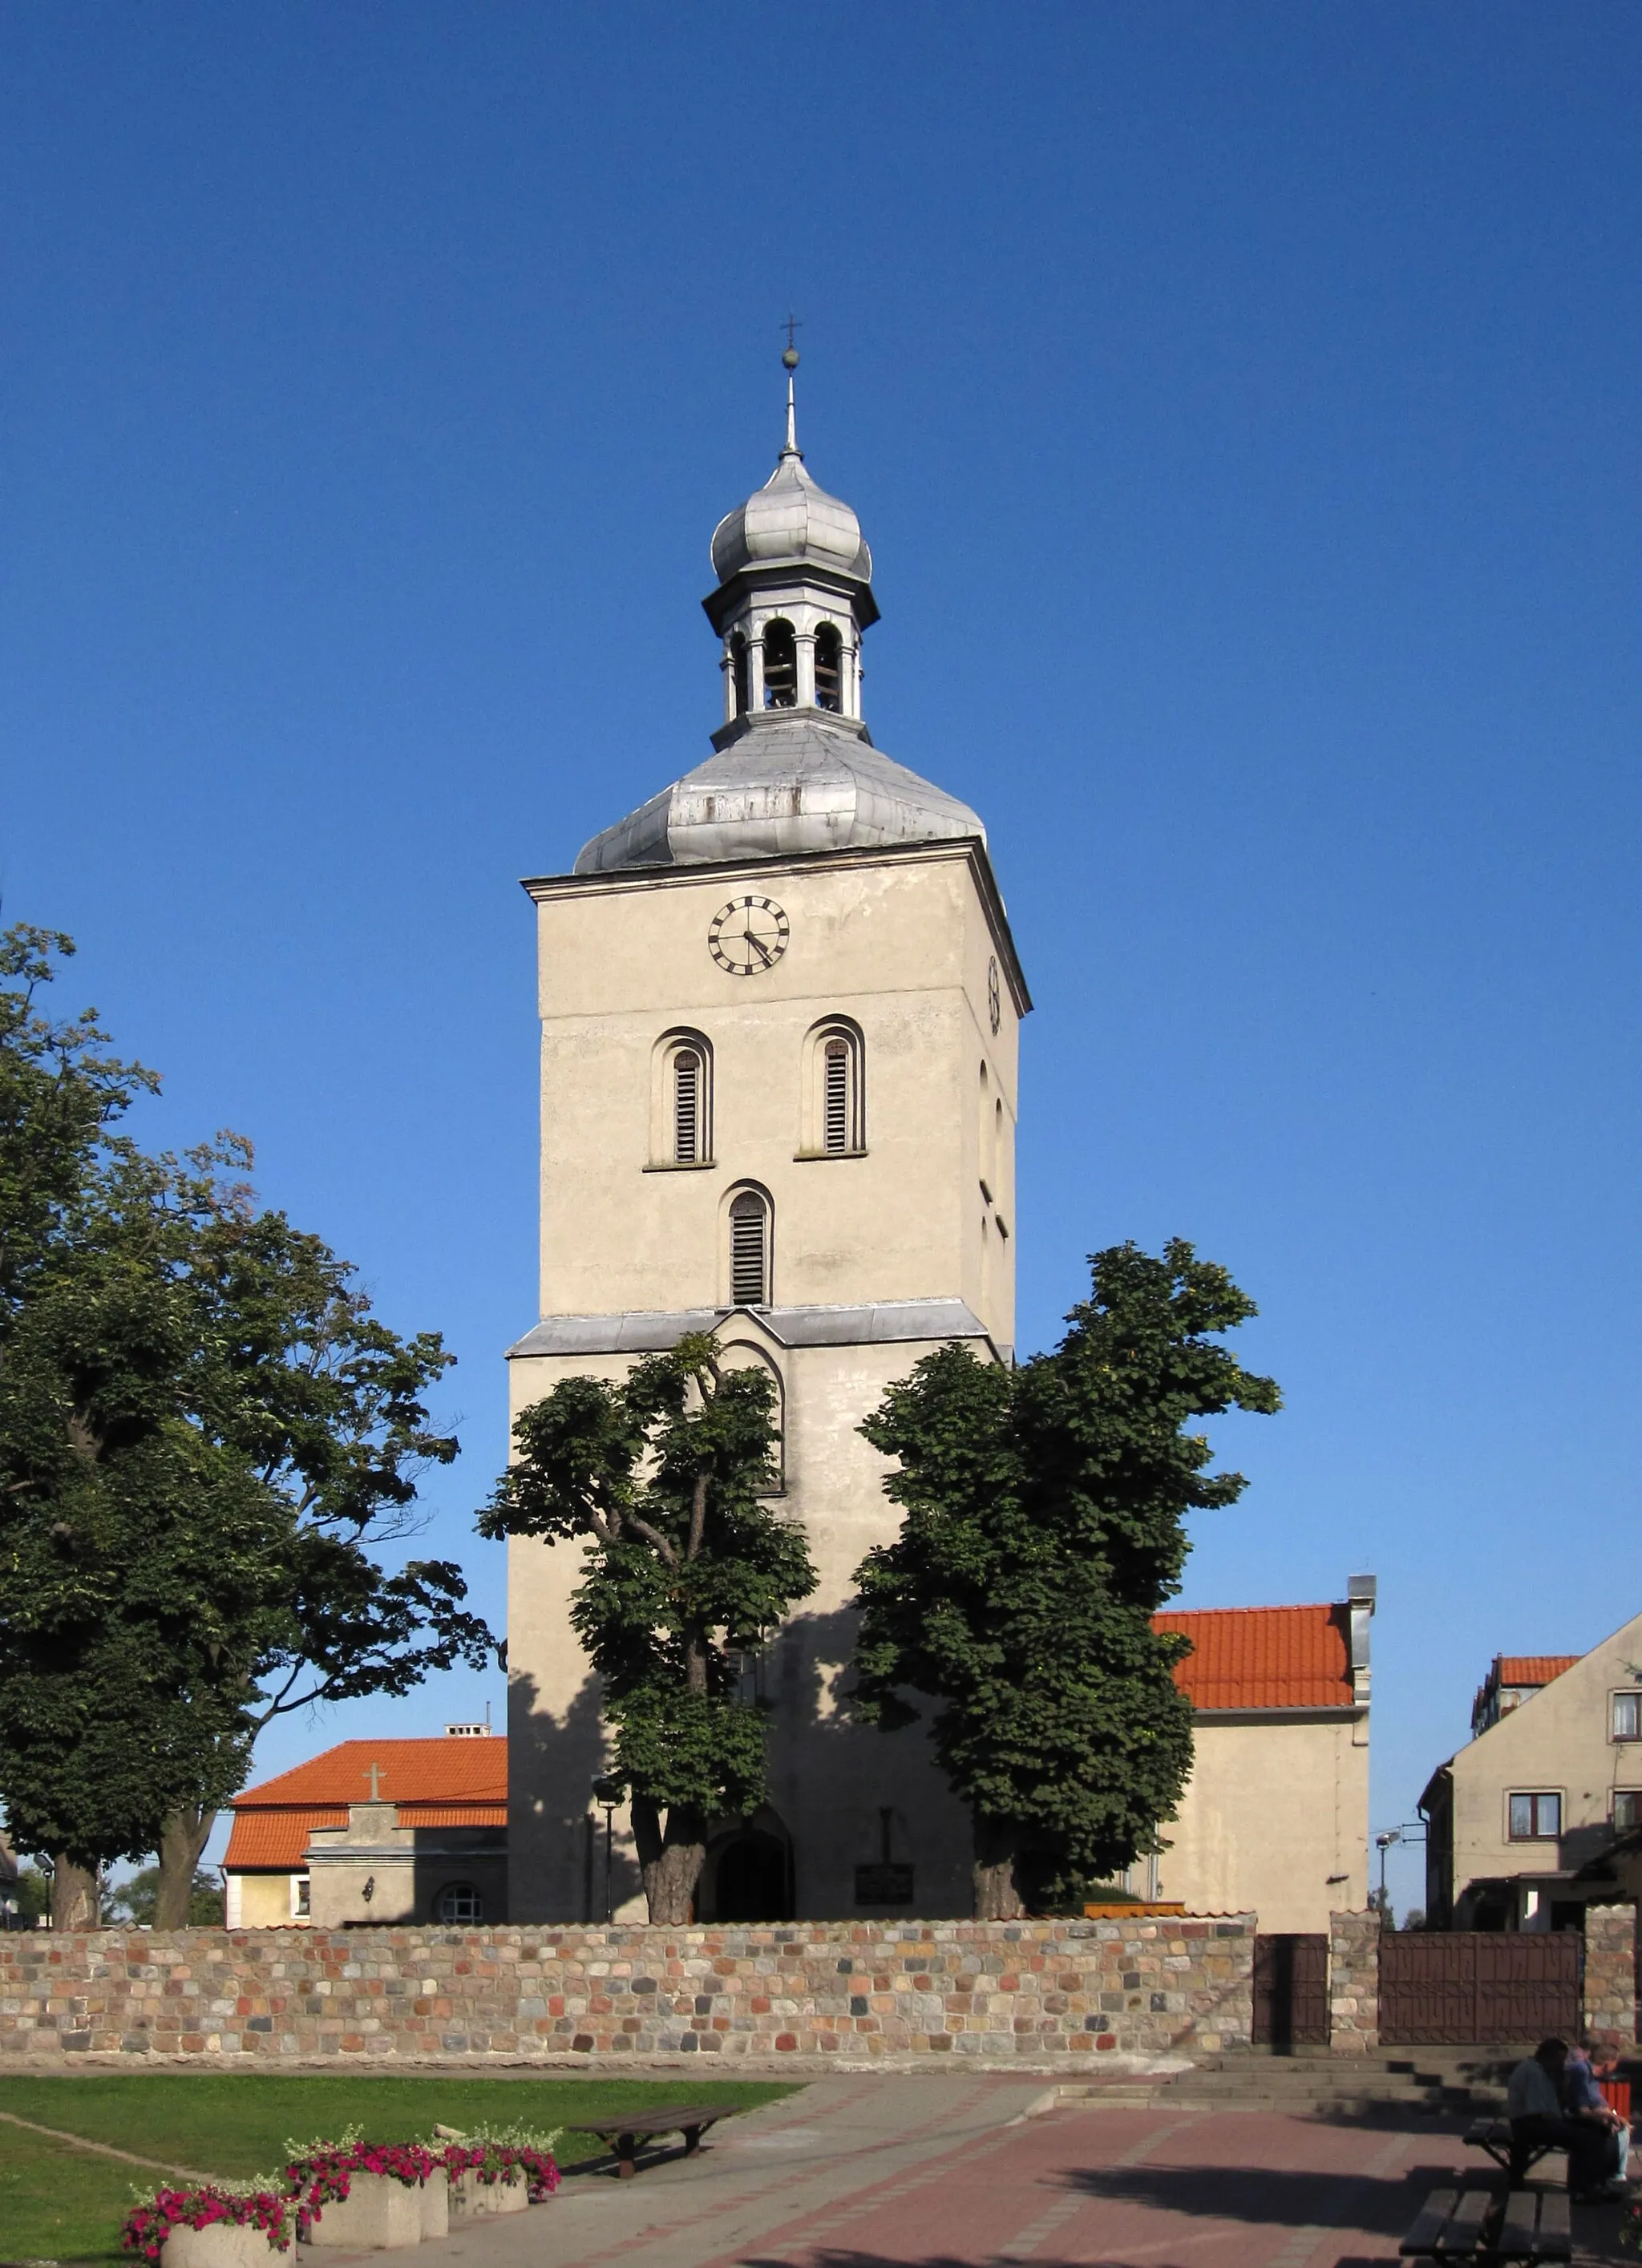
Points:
[(882, 2172)]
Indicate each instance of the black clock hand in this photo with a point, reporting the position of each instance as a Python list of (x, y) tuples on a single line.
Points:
[(760, 949)]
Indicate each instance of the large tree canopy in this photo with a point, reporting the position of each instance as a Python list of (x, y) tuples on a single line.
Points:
[(664, 1479), (203, 1434), (1043, 1526)]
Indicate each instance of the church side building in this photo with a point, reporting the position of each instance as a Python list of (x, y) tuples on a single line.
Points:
[(780, 1008)]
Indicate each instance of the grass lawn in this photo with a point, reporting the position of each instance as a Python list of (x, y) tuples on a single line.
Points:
[(57, 2202)]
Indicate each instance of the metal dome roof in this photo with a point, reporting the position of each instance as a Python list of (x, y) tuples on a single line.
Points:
[(787, 781), (791, 520)]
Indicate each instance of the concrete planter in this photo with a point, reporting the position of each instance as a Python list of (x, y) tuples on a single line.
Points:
[(223, 2245), (377, 2215), (471, 2196), (435, 2194)]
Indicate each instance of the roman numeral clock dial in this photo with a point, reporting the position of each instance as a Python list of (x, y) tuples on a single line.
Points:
[(747, 935)]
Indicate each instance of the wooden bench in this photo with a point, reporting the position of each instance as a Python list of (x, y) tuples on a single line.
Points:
[(624, 2131), (1516, 2160), (1473, 2225)]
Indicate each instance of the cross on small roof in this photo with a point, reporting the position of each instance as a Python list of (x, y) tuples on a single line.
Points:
[(372, 1776)]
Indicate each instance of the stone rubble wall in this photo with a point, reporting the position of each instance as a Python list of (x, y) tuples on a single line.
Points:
[(861, 1991), (1354, 1981), (1610, 1970)]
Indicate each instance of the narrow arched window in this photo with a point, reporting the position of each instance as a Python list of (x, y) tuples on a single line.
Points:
[(749, 1250), (828, 668), (738, 670), (834, 1102), (688, 1084), (681, 1101), (781, 665), (836, 1095)]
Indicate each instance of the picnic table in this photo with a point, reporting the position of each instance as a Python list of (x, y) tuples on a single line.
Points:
[(1516, 2160), (1474, 2224), (624, 2130)]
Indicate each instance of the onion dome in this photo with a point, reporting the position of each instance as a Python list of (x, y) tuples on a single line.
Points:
[(791, 522)]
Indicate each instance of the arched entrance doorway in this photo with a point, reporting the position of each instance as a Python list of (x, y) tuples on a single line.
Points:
[(748, 1875)]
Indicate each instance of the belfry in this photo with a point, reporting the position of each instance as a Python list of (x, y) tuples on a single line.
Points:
[(780, 1008)]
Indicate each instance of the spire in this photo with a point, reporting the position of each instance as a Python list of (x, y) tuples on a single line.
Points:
[(790, 362)]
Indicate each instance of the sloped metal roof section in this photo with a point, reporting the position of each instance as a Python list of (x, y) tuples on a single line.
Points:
[(781, 783), (880, 1323)]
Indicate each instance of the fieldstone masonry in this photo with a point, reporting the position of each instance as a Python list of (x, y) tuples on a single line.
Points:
[(1354, 1981), (861, 1991), (1610, 1970)]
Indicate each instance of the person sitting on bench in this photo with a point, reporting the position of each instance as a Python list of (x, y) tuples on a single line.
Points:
[(1596, 2059), (1534, 2106)]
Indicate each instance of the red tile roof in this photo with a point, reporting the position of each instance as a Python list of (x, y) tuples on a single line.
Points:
[(434, 1783), (1530, 1669), (1263, 1657)]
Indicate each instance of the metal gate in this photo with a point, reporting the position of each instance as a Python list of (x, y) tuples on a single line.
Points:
[(1291, 1990), (1473, 1988)]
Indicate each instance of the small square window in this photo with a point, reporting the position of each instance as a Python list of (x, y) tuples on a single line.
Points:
[(1628, 1716), (1535, 1818), (1627, 1810)]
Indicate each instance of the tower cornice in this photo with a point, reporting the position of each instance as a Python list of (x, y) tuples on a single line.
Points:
[(969, 849)]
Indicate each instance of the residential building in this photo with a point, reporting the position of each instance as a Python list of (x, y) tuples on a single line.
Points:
[(1275, 1817), (1539, 1814), (374, 1831)]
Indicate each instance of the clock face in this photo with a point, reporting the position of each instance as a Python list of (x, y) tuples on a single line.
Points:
[(748, 934), (994, 1007)]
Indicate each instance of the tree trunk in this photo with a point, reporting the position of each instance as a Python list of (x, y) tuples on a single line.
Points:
[(74, 1901), (997, 1892), (671, 1862), (182, 1838)]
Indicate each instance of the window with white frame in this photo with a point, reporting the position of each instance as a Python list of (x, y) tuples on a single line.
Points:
[(459, 1902), (1627, 1718), (301, 1897), (749, 1249), (1535, 1817), (1627, 1810)]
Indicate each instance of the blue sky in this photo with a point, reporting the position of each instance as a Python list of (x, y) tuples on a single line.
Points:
[(1242, 407)]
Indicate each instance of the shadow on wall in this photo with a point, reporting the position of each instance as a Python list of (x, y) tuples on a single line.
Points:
[(804, 1677), (566, 1756)]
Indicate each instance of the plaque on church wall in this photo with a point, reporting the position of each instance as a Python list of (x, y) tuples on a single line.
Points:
[(883, 1886)]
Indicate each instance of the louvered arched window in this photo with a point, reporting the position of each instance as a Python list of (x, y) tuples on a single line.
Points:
[(835, 1109), (681, 1101), (749, 1249), (687, 1085)]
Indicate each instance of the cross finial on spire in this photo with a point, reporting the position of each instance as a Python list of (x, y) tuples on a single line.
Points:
[(790, 362)]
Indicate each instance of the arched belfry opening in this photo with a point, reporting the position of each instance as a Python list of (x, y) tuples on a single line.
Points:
[(829, 667), (781, 665)]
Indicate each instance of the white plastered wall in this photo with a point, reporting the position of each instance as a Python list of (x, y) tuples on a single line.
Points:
[(903, 943), (1274, 1820)]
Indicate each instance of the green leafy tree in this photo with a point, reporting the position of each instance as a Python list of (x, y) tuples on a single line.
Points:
[(30, 1897), (1043, 1526), (664, 1479), (203, 1433), (137, 1900)]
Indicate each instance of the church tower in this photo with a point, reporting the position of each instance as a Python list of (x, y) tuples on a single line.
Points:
[(780, 1008)]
